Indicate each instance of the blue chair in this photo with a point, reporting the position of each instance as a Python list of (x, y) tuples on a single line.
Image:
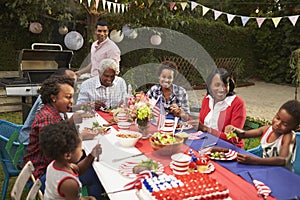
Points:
[(296, 163), (256, 151), (11, 152)]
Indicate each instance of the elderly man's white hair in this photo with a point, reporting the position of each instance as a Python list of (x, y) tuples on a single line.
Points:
[(107, 63)]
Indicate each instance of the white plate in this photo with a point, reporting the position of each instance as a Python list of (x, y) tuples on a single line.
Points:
[(185, 127), (230, 155), (126, 168)]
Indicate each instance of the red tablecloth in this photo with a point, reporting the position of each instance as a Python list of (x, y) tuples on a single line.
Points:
[(238, 187)]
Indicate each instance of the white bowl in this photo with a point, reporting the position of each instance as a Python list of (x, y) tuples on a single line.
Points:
[(125, 140), (124, 125)]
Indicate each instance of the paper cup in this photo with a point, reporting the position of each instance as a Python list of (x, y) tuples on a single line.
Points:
[(122, 117)]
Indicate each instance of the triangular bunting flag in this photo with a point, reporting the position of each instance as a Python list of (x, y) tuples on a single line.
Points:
[(244, 20), (276, 21), (172, 4), (97, 4), (114, 7), (194, 5), (150, 2), (217, 14), (118, 8), (123, 8), (259, 21), (103, 4), (294, 19), (108, 5), (204, 10), (89, 3), (230, 18), (183, 5)]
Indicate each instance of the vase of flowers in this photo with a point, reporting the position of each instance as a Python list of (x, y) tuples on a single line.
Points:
[(140, 112)]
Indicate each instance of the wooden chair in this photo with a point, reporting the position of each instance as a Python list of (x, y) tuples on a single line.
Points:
[(22, 179)]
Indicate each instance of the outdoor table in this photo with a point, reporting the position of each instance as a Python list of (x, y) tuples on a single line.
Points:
[(229, 173)]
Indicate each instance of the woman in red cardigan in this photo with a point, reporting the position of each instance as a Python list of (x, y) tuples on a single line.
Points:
[(221, 106)]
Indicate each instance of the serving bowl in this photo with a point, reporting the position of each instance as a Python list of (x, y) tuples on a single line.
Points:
[(128, 138), (166, 149)]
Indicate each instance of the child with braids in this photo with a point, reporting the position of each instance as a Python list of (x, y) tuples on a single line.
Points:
[(277, 140), (62, 143)]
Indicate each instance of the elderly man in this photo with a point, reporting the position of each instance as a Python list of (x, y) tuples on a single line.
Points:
[(107, 90), (101, 49)]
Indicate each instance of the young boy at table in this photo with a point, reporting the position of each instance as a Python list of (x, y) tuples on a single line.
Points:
[(62, 143), (277, 140)]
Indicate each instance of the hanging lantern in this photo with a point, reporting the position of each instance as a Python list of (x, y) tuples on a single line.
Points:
[(155, 40), (73, 40), (116, 36), (63, 30), (35, 27), (133, 34), (130, 33)]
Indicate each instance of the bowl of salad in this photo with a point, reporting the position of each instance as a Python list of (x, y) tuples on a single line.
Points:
[(166, 144)]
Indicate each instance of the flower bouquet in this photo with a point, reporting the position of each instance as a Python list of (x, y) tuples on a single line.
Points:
[(139, 109)]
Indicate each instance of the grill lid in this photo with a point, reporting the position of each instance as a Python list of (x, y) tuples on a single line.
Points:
[(44, 59)]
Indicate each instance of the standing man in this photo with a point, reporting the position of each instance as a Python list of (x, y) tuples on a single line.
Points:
[(101, 49)]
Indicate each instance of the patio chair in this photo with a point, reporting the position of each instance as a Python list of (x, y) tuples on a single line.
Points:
[(11, 152), (296, 163), (256, 151), (25, 175)]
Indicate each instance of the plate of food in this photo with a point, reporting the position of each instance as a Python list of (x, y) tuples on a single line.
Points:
[(132, 168), (223, 155), (184, 126)]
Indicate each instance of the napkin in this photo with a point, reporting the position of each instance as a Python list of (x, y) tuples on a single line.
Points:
[(262, 189)]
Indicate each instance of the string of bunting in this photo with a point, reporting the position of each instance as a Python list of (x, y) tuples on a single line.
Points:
[(259, 20), (121, 8), (110, 6)]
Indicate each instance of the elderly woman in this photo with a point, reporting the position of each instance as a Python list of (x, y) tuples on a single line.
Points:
[(57, 96), (221, 106), (174, 97), (107, 90)]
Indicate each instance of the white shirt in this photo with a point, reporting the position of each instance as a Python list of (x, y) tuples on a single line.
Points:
[(212, 118)]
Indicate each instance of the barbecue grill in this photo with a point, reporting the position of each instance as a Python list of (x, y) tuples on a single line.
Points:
[(34, 66)]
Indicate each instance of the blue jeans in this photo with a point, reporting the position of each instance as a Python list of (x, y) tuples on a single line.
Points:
[(88, 179)]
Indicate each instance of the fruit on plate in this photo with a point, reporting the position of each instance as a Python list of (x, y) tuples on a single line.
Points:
[(148, 164), (217, 154), (97, 128)]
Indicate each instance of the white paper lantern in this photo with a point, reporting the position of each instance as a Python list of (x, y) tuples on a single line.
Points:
[(116, 36), (130, 33), (126, 30), (63, 30), (73, 40), (155, 40), (35, 27), (133, 34)]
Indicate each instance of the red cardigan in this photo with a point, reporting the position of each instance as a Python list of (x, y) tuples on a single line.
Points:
[(235, 115)]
